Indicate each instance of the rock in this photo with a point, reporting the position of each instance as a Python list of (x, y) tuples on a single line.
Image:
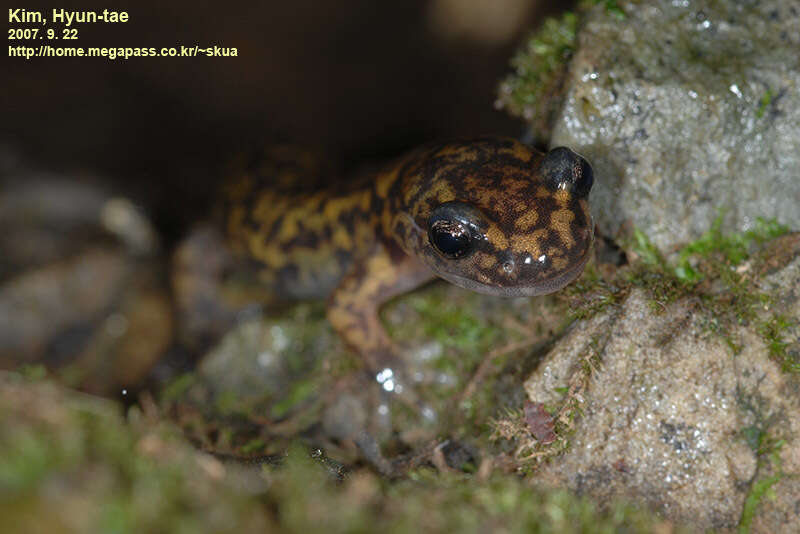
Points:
[(79, 290), (130, 340), (45, 311), (687, 110), (268, 359), (46, 217), (262, 359), (672, 417), (669, 417), (44, 220), (98, 318)]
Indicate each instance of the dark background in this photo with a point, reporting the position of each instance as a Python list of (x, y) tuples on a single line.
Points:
[(359, 80)]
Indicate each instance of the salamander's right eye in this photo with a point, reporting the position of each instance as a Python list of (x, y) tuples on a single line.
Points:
[(453, 229), (451, 238)]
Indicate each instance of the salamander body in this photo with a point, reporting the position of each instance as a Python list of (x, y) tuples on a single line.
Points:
[(489, 214)]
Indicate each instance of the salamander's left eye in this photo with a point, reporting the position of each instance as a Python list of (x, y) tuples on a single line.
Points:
[(451, 238), (561, 168)]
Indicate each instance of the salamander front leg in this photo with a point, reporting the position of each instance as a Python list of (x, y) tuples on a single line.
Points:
[(354, 305)]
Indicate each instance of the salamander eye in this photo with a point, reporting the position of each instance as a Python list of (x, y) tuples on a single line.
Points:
[(454, 228), (561, 168), (451, 238)]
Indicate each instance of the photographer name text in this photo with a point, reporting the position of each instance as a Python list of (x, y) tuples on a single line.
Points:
[(65, 17)]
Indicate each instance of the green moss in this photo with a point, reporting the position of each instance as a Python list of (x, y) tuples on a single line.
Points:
[(652, 272), (734, 247), (70, 462), (454, 326), (533, 91), (227, 403), (299, 392), (32, 372), (646, 250), (254, 446), (590, 295), (727, 250), (715, 256), (450, 318), (427, 501), (649, 270), (612, 7), (472, 351), (707, 270), (764, 103), (178, 387), (771, 331), (759, 437), (758, 490)]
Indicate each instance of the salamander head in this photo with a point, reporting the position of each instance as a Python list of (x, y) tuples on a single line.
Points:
[(500, 218)]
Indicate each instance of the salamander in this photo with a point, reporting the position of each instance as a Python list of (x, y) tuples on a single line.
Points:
[(489, 214)]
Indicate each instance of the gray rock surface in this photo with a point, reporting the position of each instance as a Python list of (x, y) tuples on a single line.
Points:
[(259, 360), (673, 418), (80, 285), (687, 109)]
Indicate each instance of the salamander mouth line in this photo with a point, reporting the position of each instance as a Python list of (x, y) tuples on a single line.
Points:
[(541, 287)]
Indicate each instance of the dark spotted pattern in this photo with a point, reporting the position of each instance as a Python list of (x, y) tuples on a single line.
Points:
[(534, 238)]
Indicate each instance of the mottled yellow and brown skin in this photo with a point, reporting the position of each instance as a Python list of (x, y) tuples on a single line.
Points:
[(365, 244)]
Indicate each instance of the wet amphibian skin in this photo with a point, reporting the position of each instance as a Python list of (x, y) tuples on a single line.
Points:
[(490, 214)]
